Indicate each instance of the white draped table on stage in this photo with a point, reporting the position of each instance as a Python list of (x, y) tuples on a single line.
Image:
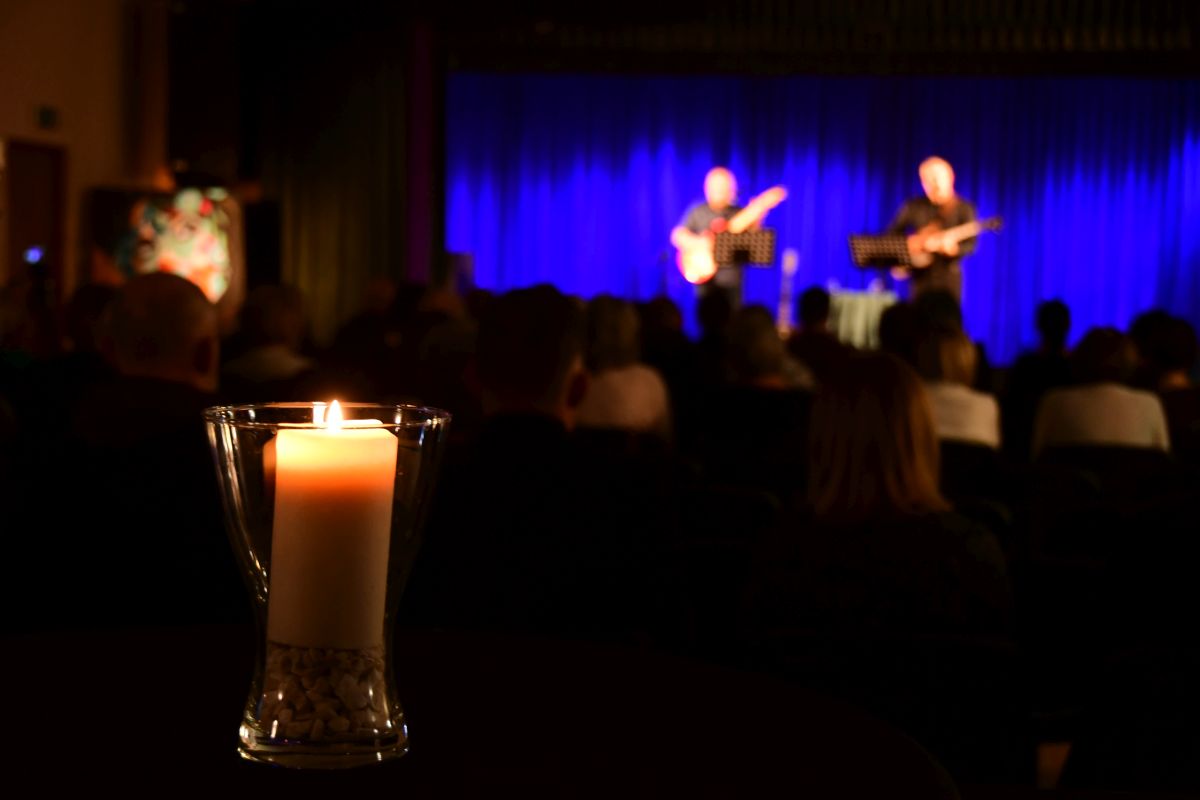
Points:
[(854, 316)]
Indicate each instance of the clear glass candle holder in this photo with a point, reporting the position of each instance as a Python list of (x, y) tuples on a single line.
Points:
[(324, 505)]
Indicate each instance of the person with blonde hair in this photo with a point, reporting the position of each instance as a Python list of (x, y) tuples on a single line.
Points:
[(879, 550), (623, 393), (873, 449), (947, 361)]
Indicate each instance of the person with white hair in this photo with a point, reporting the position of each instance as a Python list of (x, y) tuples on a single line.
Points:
[(925, 217)]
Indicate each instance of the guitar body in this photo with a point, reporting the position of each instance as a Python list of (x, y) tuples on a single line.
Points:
[(917, 252), (925, 244), (697, 264)]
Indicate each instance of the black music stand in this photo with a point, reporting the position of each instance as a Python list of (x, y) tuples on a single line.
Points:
[(888, 250), (749, 248)]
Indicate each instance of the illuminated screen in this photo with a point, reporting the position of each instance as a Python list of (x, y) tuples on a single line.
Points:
[(188, 233)]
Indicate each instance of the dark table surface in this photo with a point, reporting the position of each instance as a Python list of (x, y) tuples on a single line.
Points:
[(158, 709)]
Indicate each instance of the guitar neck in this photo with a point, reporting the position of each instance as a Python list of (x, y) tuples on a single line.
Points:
[(755, 210), (960, 232), (743, 219), (967, 230)]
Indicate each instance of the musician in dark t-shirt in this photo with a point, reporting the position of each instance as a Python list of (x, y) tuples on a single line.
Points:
[(693, 236), (695, 229), (922, 218)]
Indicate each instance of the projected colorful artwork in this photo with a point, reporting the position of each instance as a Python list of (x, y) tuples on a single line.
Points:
[(186, 233)]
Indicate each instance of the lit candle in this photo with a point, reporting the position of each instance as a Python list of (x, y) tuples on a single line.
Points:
[(334, 486)]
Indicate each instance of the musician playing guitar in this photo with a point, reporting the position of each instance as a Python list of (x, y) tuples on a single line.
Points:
[(935, 223), (693, 236)]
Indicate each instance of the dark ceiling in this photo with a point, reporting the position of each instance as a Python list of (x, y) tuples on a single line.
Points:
[(1146, 37), (252, 50), (834, 36)]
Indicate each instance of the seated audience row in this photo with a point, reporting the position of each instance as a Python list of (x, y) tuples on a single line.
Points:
[(801, 505)]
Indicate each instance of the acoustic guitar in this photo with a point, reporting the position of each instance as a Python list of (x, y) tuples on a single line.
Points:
[(927, 242), (696, 262)]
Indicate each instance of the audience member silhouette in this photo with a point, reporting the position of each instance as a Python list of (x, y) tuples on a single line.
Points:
[(50, 386), (142, 531), (365, 348), (272, 366), (878, 548), (1146, 332), (536, 529), (879, 592), (813, 344), (530, 531), (439, 347), (764, 394), (1175, 358), (1101, 409), (946, 361), (899, 332), (667, 348), (623, 393), (27, 329), (756, 356), (714, 312), (937, 312), (1033, 374)]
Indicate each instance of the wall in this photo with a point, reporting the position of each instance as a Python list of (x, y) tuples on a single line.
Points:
[(102, 65)]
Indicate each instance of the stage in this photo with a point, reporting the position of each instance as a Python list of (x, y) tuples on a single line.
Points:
[(578, 181)]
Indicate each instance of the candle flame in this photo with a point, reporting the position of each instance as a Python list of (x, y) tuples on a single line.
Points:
[(328, 415)]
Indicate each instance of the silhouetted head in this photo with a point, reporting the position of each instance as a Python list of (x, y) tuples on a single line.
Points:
[(274, 315), (530, 353), (756, 354), (1147, 328), (873, 449), (1179, 346), (814, 308), (947, 357), (613, 333), (1104, 355), (162, 326), (1166, 351), (661, 315), (1053, 324)]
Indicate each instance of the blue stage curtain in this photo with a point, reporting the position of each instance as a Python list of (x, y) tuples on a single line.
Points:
[(577, 180)]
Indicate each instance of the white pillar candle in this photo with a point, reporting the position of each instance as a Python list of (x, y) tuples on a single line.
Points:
[(334, 488)]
